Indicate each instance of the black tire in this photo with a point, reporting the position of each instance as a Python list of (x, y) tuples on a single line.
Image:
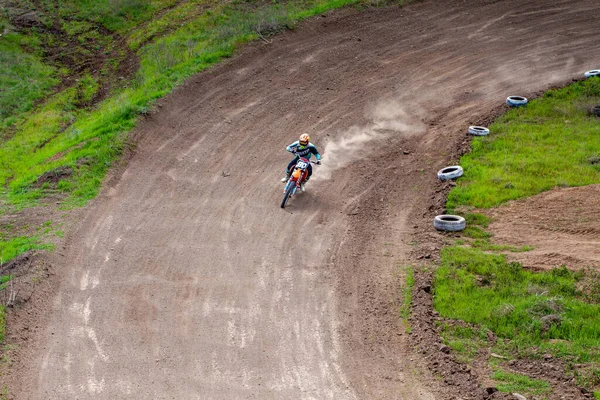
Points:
[(449, 223), (287, 195)]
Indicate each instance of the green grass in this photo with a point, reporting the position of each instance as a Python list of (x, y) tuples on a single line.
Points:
[(517, 383), (465, 341), (477, 219), (409, 283), (168, 21), (535, 311), (4, 279), (550, 142), (24, 79), (115, 15), (12, 247), (475, 232)]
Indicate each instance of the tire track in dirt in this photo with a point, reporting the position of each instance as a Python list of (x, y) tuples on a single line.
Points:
[(185, 279)]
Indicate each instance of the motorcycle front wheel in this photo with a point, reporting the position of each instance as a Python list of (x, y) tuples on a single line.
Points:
[(288, 193)]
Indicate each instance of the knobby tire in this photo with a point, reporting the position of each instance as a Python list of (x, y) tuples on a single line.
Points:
[(287, 194)]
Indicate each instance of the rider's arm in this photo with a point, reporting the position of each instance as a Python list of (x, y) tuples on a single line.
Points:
[(314, 150), (292, 147)]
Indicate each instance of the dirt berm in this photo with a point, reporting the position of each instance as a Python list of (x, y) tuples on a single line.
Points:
[(185, 280)]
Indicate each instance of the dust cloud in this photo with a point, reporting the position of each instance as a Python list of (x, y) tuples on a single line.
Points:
[(390, 119)]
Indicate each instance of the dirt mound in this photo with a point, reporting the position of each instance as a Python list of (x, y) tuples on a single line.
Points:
[(561, 225)]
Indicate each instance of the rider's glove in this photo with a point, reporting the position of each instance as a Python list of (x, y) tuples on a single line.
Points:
[(318, 162)]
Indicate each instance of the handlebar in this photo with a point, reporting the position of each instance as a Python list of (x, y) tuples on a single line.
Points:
[(318, 162)]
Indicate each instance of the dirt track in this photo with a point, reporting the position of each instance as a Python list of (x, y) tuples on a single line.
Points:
[(185, 280)]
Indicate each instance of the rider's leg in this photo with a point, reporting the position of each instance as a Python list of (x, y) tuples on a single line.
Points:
[(291, 165), (309, 173), (288, 170)]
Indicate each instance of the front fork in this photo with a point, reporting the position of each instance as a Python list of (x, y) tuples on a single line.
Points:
[(287, 185)]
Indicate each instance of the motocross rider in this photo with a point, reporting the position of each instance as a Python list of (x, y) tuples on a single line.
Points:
[(301, 148)]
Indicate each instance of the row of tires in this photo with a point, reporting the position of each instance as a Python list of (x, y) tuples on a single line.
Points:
[(456, 223)]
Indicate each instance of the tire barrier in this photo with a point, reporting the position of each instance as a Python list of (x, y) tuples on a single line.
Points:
[(478, 131), (449, 223), (516, 101), (593, 72), (449, 173)]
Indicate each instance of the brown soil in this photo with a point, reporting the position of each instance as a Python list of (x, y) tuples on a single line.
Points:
[(28, 272), (184, 279), (561, 225)]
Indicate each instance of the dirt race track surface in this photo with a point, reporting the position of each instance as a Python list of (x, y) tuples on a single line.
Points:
[(185, 280), (561, 225)]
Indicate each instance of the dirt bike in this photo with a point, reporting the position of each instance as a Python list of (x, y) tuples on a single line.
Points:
[(297, 176)]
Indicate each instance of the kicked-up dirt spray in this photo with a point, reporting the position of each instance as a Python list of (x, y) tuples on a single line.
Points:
[(389, 119)]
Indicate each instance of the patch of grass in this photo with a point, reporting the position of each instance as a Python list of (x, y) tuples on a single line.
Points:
[(10, 248), (532, 149), (587, 375), (170, 20), (510, 382), (24, 79), (475, 232), (4, 279), (409, 283), (115, 15), (477, 219), (544, 310), (551, 142), (465, 341)]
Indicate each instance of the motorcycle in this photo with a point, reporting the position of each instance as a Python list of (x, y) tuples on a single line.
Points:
[(298, 175)]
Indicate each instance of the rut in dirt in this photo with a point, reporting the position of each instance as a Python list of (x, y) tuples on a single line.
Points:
[(186, 280)]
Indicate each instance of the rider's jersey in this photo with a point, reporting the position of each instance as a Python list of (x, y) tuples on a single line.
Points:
[(304, 151)]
